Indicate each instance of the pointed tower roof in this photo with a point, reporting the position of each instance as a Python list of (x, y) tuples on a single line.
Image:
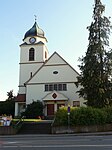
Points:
[(34, 31)]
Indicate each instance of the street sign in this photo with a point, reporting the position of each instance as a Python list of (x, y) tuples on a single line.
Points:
[(68, 110)]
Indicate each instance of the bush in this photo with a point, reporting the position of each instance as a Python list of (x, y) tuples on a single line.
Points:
[(33, 110), (7, 107), (109, 114), (87, 116), (80, 116), (61, 116)]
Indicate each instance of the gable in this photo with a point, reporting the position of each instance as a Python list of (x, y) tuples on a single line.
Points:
[(55, 59), (56, 70)]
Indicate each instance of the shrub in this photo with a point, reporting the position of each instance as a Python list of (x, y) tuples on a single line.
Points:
[(109, 114), (61, 117), (7, 107), (34, 110), (87, 116), (80, 116)]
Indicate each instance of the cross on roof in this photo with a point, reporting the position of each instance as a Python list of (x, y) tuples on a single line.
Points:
[(35, 18)]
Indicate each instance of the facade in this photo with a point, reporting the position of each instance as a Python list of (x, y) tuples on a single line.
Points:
[(48, 79)]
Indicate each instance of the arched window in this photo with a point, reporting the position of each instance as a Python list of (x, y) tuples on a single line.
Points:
[(31, 54)]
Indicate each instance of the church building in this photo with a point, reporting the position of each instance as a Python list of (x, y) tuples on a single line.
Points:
[(48, 79)]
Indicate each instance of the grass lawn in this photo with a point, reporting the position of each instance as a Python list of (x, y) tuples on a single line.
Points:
[(27, 120)]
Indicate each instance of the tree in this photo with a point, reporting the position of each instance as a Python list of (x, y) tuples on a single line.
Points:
[(96, 66), (8, 106), (10, 94), (34, 110)]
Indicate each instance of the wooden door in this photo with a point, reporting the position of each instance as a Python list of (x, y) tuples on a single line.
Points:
[(50, 109)]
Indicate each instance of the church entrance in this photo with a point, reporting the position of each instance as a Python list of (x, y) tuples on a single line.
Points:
[(50, 109), (53, 101), (53, 107)]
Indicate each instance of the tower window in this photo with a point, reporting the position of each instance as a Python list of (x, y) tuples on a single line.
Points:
[(45, 55), (31, 54)]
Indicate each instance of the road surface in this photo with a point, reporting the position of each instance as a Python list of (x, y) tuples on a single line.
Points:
[(56, 142)]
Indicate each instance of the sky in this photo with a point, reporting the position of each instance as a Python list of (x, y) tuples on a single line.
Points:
[(64, 23)]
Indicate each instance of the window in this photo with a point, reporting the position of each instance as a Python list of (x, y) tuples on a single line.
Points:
[(50, 87), (55, 72), (56, 87), (30, 74), (64, 87), (45, 55), (59, 87), (76, 103), (31, 54), (46, 87)]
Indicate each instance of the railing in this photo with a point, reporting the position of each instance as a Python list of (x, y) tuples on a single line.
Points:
[(18, 125), (20, 120), (53, 121)]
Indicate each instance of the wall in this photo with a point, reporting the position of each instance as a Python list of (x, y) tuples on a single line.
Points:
[(82, 129), (7, 130)]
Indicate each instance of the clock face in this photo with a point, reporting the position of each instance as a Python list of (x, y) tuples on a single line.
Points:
[(32, 40)]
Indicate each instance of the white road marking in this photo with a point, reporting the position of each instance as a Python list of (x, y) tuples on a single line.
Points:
[(12, 142), (54, 146)]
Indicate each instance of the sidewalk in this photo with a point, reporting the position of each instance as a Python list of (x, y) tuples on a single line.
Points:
[(58, 135)]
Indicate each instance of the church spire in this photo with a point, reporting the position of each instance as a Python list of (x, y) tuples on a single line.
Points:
[(34, 31)]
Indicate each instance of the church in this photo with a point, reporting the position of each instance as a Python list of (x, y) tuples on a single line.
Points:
[(47, 79)]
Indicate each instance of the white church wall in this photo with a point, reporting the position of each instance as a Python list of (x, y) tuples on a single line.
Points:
[(25, 71), (55, 60), (45, 50), (65, 74), (37, 92), (34, 93), (22, 90), (72, 94), (24, 54), (16, 109), (39, 53)]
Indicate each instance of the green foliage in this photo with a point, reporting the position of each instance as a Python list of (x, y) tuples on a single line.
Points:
[(10, 95), (34, 110), (87, 116), (61, 116), (96, 66), (109, 114), (83, 116), (7, 107)]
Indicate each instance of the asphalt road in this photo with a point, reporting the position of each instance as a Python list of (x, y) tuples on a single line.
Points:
[(56, 142)]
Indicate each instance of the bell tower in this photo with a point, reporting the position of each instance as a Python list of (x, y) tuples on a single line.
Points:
[(33, 53)]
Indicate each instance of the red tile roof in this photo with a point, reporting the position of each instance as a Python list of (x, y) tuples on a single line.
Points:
[(21, 98)]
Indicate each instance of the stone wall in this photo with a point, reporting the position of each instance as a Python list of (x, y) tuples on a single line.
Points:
[(81, 129), (7, 130)]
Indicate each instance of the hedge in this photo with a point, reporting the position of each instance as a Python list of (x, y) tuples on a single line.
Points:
[(83, 116)]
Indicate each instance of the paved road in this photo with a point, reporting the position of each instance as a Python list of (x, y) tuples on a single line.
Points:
[(56, 142)]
